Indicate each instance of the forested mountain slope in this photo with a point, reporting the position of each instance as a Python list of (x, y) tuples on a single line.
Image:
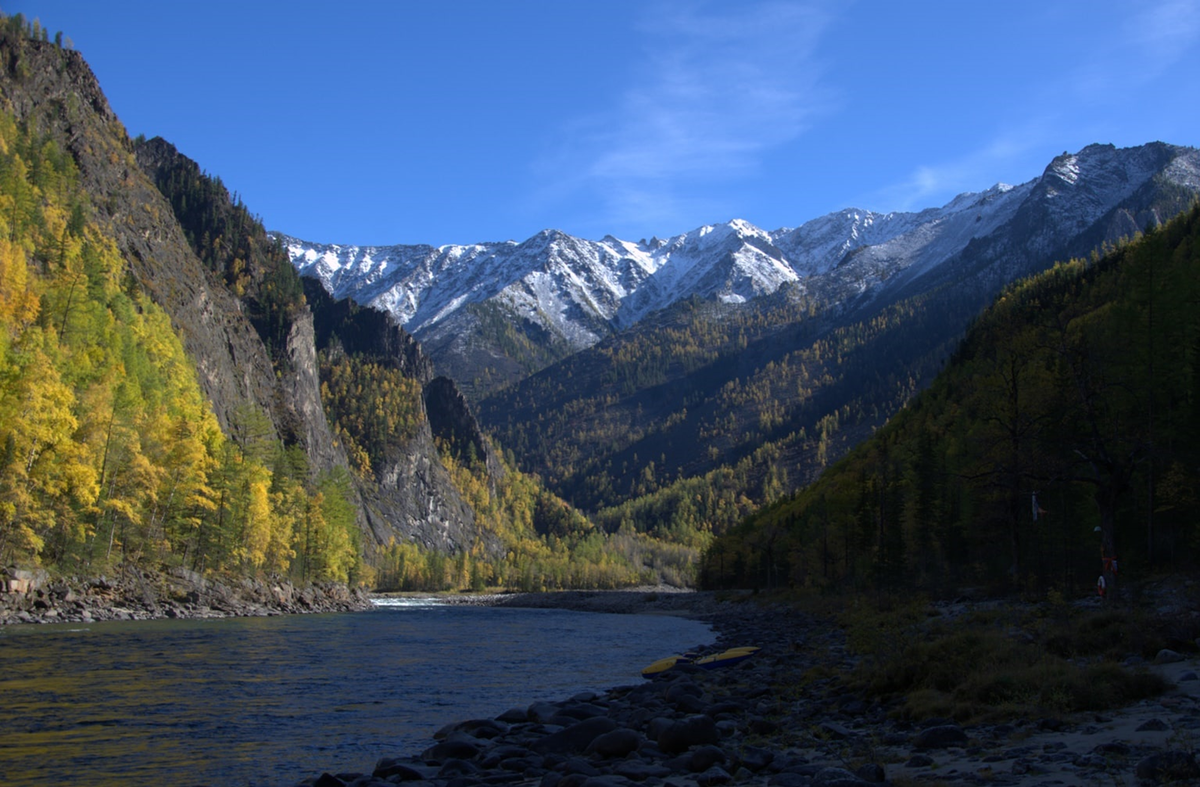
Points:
[(112, 452), (1060, 443), (169, 396), (702, 412), (229, 292), (407, 494)]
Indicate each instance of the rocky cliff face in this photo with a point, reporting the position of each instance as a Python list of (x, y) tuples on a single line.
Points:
[(245, 374), (55, 92), (287, 387), (411, 496), (451, 419), (301, 398)]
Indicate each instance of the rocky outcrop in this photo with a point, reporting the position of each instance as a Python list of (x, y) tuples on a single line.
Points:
[(363, 331), (413, 499), (301, 398), (290, 389)]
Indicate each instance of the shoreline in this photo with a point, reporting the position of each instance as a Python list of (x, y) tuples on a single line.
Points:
[(133, 594), (642, 600), (778, 719)]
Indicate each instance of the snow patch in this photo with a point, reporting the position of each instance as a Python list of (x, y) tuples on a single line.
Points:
[(570, 285)]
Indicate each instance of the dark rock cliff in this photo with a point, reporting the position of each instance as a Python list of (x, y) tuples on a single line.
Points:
[(452, 421), (365, 332), (411, 496), (290, 393), (248, 359), (54, 91)]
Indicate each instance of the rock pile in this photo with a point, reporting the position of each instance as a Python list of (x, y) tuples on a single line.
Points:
[(176, 593)]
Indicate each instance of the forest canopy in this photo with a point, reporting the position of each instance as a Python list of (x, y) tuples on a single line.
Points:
[(1060, 444), (110, 452)]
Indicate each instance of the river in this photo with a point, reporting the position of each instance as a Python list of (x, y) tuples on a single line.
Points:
[(270, 701)]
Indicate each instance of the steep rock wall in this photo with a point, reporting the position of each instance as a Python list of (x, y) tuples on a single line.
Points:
[(55, 92)]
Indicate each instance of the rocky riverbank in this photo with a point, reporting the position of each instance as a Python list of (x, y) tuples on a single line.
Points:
[(782, 719), (134, 594)]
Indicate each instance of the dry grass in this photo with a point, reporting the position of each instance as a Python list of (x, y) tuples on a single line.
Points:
[(1005, 663)]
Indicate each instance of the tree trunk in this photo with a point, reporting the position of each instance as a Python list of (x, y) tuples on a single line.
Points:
[(1106, 500)]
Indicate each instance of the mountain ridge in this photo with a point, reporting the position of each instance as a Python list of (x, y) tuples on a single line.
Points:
[(797, 378), (577, 291)]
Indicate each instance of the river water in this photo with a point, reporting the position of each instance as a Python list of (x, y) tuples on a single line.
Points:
[(270, 701)]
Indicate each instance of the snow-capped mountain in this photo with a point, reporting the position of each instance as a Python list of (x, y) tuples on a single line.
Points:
[(574, 288), (558, 290)]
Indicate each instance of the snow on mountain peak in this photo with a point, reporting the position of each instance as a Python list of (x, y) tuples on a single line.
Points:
[(574, 288), (1067, 168)]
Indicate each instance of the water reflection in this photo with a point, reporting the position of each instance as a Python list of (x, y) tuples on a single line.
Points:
[(267, 701)]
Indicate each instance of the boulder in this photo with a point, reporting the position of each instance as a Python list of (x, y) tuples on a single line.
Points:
[(456, 767), (835, 731), (701, 758), (871, 772), (940, 737), (581, 766), (606, 780), (476, 728), (575, 738), (726, 707), (501, 754), (1166, 767), (451, 749), (1113, 749), (713, 776), (618, 743), (787, 779), (755, 758), (682, 688), (836, 777), (388, 768), (680, 735), (639, 771), (514, 716), (541, 712), (581, 710)]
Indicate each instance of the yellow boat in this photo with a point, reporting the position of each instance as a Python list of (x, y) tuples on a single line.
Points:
[(662, 665), (725, 658)]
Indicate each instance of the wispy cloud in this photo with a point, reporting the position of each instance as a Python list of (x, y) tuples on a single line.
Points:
[(1164, 31), (714, 93)]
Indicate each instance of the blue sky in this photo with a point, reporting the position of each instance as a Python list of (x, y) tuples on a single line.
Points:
[(461, 122)]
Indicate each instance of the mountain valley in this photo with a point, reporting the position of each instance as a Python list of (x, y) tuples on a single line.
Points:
[(726, 366), (550, 413)]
